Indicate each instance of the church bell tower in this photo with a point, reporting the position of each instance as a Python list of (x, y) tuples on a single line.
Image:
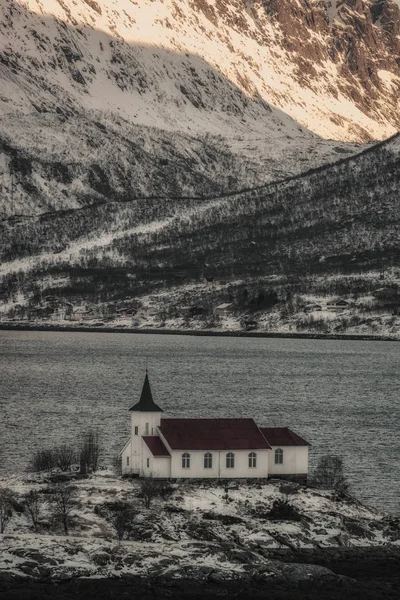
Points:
[(146, 417)]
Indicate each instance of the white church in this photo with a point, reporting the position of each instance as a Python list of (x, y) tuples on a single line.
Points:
[(208, 448)]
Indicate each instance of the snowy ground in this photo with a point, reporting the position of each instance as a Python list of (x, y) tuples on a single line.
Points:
[(169, 308), (196, 530), (326, 323)]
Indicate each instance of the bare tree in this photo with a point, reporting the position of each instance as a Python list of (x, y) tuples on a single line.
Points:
[(117, 465), (6, 507), (32, 505), (150, 489), (63, 497), (121, 521), (329, 474), (90, 450), (288, 488), (226, 495), (64, 456), (43, 460)]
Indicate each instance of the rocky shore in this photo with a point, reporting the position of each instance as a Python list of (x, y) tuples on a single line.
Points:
[(347, 574), (265, 540)]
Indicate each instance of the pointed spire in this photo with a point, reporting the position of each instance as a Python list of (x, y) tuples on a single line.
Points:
[(146, 402)]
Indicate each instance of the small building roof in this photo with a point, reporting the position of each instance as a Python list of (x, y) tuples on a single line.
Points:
[(213, 434), (155, 445), (388, 288), (282, 436), (337, 301), (146, 402)]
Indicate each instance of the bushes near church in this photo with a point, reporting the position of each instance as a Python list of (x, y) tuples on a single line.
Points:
[(86, 453)]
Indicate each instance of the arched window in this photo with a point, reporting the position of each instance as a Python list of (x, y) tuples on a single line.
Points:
[(185, 461), (208, 460), (230, 460), (279, 456), (252, 460)]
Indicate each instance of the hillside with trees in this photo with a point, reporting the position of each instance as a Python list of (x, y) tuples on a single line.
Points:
[(307, 232)]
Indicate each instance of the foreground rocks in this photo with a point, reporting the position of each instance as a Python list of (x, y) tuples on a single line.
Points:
[(370, 573), (297, 582), (201, 540)]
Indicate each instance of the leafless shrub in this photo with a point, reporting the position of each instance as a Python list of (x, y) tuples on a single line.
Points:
[(32, 505), (116, 464), (122, 521), (288, 489), (149, 489), (166, 489), (65, 456), (43, 460), (282, 510), (63, 499), (329, 474), (6, 507), (90, 450)]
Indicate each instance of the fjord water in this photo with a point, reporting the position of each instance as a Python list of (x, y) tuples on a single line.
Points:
[(342, 396)]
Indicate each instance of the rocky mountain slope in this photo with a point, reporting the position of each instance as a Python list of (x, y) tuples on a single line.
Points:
[(116, 100), (155, 144)]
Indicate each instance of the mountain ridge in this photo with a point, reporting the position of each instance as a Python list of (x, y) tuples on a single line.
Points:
[(139, 236), (240, 79), (139, 150)]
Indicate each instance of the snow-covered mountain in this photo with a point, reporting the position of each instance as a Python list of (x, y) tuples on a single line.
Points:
[(122, 99)]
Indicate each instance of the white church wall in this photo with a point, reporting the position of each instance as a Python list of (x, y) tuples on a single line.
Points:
[(162, 466), (154, 466), (295, 461), (126, 458), (146, 423), (142, 423), (219, 469), (147, 462)]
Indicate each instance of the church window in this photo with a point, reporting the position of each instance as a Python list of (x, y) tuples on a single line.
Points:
[(185, 461), (136, 430), (127, 461), (148, 462), (208, 460), (279, 456), (146, 429), (230, 460), (252, 460)]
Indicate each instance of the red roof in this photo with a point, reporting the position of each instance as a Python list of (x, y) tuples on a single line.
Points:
[(282, 436), (213, 434), (155, 445)]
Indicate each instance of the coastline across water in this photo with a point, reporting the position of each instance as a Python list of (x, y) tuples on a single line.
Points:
[(196, 332)]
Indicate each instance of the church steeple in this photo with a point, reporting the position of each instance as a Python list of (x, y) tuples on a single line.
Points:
[(146, 402)]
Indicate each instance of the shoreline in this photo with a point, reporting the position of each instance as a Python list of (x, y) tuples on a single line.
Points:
[(189, 545), (198, 332), (357, 574)]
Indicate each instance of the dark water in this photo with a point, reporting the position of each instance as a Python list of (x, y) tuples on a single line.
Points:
[(342, 396)]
